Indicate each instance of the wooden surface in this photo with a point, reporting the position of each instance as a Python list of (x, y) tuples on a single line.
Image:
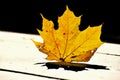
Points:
[(18, 55)]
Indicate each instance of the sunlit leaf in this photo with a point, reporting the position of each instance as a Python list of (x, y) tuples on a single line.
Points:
[(68, 43)]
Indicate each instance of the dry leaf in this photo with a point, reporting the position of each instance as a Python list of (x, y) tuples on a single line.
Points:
[(68, 43)]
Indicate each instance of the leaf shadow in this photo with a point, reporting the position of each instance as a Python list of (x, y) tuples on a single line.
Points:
[(73, 66)]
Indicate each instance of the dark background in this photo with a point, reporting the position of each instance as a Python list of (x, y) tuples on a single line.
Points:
[(24, 15)]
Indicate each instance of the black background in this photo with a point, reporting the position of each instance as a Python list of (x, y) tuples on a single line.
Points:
[(24, 15)]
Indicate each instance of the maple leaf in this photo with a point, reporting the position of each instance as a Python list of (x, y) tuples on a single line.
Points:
[(68, 43)]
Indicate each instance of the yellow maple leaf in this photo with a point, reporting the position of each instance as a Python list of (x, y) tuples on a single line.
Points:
[(68, 43)]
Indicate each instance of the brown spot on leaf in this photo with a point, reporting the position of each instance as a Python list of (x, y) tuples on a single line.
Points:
[(73, 56), (64, 33)]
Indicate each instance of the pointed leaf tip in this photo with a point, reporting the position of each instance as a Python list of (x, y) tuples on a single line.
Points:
[(38, 30), (41, 15), (67, 7)]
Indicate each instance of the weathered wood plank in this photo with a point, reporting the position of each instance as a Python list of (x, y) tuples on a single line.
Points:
[(17, 52)]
